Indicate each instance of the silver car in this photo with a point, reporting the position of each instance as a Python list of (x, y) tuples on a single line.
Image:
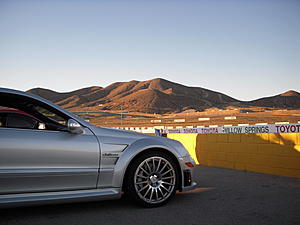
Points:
[(49, 155)]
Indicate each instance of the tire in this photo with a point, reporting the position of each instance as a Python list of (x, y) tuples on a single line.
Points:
[(152, 179)]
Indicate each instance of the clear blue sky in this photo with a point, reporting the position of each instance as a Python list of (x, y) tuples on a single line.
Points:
[(244, 48)]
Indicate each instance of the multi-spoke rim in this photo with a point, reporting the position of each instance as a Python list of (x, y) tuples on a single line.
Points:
[(154, 179)]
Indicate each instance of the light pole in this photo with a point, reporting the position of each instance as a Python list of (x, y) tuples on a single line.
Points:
[(121, 116)]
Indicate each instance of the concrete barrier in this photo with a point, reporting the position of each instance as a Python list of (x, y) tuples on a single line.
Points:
[(271, 153)]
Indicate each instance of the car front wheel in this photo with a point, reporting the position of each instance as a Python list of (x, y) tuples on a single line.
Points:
[(152, 179)]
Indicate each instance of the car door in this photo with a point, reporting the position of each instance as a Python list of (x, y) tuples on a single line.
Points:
[(33, 160)]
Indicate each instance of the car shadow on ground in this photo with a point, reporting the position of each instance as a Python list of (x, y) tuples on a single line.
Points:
[(86, 208)]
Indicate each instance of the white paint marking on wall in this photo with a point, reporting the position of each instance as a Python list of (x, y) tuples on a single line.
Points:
[(204, 119), (158, 127), (230, 117), (155, 121), (179, 120)]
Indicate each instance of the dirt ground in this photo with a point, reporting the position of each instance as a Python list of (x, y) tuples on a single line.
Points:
[(216, 117)]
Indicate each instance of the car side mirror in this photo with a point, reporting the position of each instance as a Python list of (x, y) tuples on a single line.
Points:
[(74, 127)]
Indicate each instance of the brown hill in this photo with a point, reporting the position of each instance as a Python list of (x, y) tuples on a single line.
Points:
[(152, 96), (286, 100), (157, 96)]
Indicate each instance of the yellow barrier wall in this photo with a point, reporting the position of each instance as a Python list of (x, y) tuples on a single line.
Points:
[(277, 154), (189, 141)]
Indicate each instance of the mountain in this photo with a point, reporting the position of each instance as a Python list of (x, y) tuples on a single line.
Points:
[(289, 99), (152, 96), (157, 96)]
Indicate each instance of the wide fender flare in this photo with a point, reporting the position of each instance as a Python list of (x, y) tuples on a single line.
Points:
[(133, 150)]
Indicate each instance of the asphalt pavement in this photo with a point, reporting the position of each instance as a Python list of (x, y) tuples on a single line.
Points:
[(223, 196)]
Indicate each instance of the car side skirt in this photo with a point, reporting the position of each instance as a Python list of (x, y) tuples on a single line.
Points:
[(29, 199)]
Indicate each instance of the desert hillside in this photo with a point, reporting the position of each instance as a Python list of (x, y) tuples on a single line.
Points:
[(158, 96), (152, 96), (287, 100)]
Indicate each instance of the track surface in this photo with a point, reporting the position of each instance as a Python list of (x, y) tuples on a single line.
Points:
[(223, 197)]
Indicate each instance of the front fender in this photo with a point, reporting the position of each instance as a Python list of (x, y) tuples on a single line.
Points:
[(133, 150)]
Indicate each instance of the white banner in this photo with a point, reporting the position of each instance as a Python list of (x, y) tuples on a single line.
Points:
[(269, 128)]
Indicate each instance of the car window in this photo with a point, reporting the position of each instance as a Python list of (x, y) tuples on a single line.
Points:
[(1, 120), (41, 115), (54, 117), (15, 120)]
